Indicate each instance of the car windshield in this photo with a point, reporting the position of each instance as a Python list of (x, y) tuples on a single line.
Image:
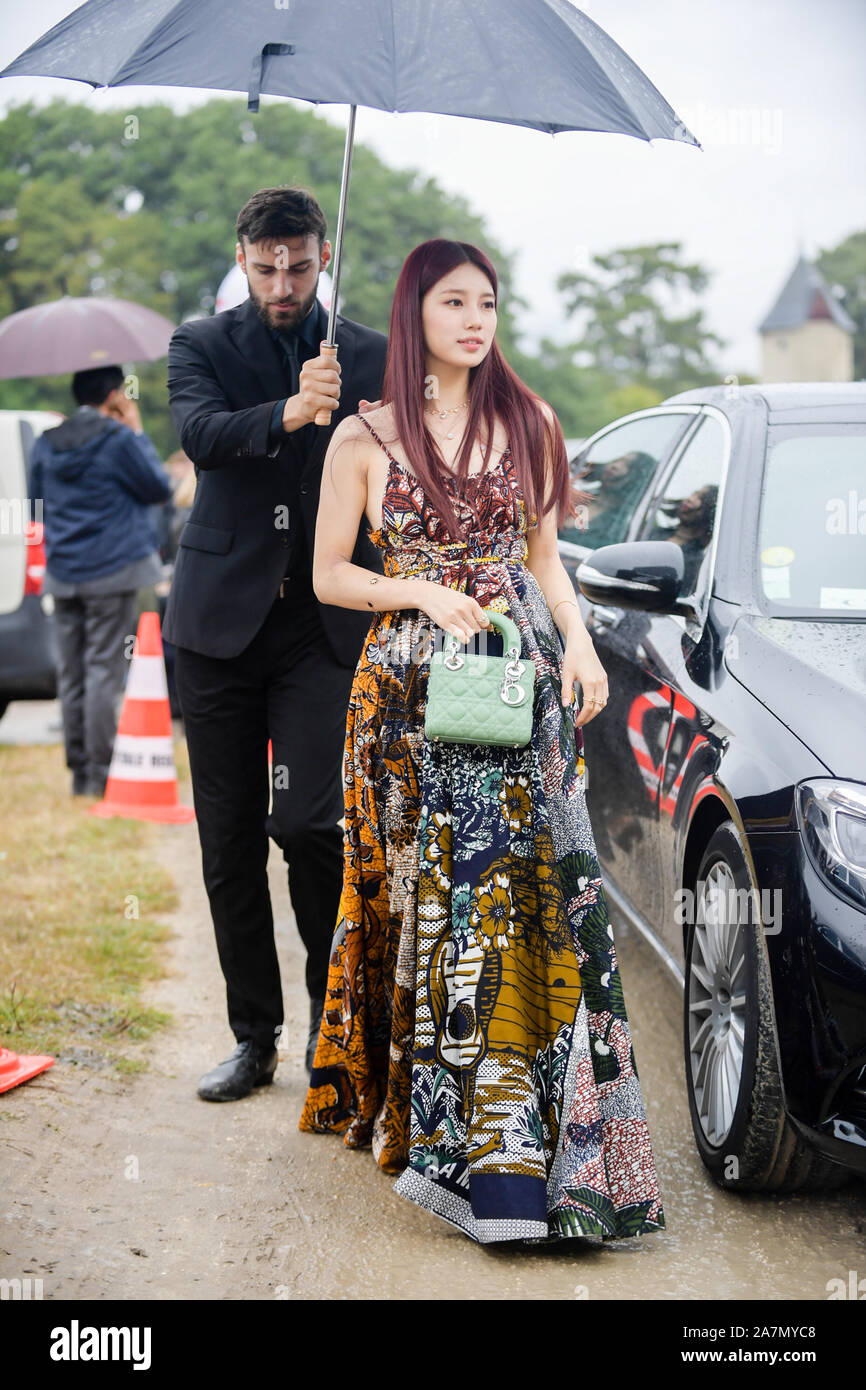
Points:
[(813, 520)]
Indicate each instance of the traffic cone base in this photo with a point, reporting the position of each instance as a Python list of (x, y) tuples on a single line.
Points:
[(142, 781), (14, 1069)]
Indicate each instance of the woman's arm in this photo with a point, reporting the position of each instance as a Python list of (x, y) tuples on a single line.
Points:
[(579, 663), (342, 501)]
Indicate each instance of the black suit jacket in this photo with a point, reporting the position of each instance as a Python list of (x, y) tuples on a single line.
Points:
[(224, 376)]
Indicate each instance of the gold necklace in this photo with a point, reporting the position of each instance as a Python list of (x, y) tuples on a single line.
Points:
[(451, 411)]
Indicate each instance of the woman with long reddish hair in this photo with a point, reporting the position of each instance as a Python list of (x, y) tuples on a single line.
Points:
[(474, 1029)]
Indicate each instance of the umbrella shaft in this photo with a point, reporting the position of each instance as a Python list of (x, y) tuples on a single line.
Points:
[(341, 217)]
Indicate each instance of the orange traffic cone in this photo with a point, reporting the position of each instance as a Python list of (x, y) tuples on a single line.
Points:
[(142, 779), (15, 1069)]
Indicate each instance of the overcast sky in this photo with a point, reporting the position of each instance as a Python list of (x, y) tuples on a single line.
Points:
[(787, 175)]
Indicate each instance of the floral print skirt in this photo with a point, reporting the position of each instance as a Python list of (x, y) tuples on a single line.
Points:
[(475, 1032)]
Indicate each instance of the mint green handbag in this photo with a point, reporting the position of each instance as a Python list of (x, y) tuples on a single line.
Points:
[(481, 699)]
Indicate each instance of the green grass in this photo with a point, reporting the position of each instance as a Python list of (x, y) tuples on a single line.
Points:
[(81, 901)]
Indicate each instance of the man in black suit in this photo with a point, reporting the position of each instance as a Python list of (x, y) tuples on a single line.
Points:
[(258, 657)]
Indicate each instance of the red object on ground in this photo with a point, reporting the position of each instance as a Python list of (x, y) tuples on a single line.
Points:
[(142, 779), (15, 1069)]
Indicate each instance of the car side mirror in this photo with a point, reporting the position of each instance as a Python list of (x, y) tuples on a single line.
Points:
[(646, 575)]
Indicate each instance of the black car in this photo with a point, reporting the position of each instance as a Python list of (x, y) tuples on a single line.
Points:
[(722, 574)]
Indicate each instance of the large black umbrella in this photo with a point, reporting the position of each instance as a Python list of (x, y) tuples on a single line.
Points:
[(536, 63)]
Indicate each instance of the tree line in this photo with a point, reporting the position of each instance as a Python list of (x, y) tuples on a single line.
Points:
[(141, 205)]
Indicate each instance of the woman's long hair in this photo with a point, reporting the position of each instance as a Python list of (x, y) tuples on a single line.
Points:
[(495, 391)]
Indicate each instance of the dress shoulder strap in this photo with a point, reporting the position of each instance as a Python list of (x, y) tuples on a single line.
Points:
[(376, 437)]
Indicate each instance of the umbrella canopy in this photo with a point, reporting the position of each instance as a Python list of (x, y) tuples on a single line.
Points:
[(536, 63), (73, 335)]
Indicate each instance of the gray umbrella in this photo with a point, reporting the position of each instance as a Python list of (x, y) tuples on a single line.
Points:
[(536, 63)]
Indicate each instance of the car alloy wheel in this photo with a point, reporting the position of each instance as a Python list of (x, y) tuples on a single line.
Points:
[(736, 1103), (717, 1002)]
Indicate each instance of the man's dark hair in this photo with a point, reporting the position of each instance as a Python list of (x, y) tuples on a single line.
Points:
[(275, 213), (95, 386)]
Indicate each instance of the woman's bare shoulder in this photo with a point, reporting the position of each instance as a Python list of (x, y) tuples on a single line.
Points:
[(382, 420), (352, 427), (546, 409), (351, 440)]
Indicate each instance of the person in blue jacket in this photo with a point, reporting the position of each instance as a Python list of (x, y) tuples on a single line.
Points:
[(97, 475)]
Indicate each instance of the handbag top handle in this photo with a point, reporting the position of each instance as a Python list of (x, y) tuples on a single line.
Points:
[(508, 628)]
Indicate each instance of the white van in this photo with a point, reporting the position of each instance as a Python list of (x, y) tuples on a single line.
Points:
[(27, 642)]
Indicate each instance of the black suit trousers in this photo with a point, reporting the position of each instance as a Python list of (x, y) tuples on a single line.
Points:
[(287, 687)]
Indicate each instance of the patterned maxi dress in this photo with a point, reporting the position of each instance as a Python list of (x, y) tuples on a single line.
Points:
[(474, 1029)]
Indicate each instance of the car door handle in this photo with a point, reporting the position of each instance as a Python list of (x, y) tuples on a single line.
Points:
[(605, 619)]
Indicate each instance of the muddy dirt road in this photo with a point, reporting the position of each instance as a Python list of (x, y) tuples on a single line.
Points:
[(135, 1189)]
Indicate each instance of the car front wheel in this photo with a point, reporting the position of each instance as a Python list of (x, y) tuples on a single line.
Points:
[(732, 1073)]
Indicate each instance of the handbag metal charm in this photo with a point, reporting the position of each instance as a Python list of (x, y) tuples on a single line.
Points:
[(511, 692)]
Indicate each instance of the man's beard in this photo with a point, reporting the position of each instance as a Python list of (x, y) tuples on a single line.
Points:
[(283, 323)]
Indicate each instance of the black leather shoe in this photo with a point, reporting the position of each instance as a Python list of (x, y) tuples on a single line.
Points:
[(249, 1065), (317, 1008)]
